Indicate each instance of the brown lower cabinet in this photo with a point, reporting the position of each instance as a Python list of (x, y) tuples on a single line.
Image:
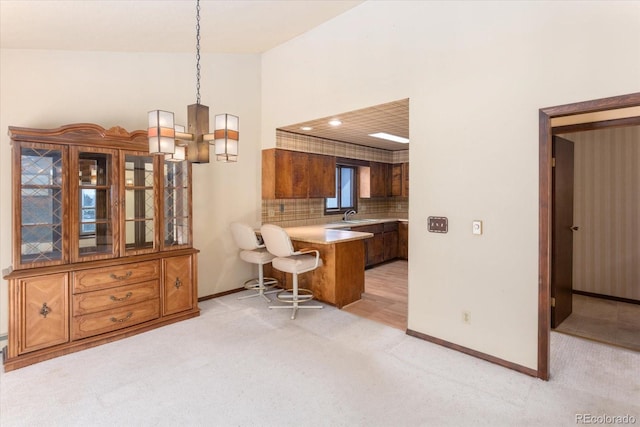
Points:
[(340, 279), (44, 301), (390, 239), (73, 307), (403, 240), (383, 246)]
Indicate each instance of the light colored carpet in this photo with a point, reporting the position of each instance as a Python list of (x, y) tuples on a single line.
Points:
[(241, 364)]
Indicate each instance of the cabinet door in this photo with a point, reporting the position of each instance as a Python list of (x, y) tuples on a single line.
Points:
[(403, 240), (176, 211), (396, 179), (322, 176), (178, 288), (43, 312), (390, 242), (379, 179), (94, 204), (40, 205), (405, 179), (375, 250), (292, 177), (138, 211), (374, 247)]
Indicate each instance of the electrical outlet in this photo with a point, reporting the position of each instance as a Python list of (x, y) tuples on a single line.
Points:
[(281, 207), (271, 212), (466, 317)]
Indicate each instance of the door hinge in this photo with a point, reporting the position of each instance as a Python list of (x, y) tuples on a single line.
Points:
[(553, 302), (553, 162)]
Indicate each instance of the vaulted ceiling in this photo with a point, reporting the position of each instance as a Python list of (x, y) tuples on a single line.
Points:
[(235, 26)]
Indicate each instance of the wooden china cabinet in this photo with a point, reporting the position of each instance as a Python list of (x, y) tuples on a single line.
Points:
[(102, 241)]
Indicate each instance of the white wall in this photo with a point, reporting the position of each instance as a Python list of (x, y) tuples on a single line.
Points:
[(46, 89), (476, 74)]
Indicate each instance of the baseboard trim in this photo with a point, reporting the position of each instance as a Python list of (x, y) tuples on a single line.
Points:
[(220, 294), (478, 354), (609, 297)]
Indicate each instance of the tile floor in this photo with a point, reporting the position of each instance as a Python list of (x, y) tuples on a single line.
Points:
[(603, 320)]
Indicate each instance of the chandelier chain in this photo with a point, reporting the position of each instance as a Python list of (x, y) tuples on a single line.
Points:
[(198, 52)]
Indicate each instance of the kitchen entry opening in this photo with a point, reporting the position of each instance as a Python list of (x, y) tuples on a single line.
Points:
[(346, 196)]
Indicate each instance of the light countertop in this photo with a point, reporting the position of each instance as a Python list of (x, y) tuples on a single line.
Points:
[(324, 236), (335, 232)]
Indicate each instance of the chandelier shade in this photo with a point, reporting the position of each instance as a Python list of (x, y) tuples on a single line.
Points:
[(179, 155), (180, 152), (161, 132), (226, 137)]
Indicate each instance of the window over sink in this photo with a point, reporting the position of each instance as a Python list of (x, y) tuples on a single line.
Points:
[(346, 194)]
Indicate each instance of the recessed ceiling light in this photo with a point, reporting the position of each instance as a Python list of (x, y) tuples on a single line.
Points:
[(306, 128), (390, 137), (335, 122)]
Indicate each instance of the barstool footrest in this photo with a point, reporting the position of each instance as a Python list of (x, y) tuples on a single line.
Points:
[(287, 297), (254, 284)]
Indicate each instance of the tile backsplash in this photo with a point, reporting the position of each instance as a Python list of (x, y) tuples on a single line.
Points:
[(295, 212)]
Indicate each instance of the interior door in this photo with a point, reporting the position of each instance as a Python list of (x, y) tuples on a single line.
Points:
[(562, 231)]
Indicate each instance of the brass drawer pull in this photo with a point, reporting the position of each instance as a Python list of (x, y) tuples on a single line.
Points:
[(124, 319), (125, 277), (178, 283), (126, 297), (45, 310)]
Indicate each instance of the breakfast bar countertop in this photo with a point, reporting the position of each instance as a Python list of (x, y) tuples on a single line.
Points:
[(324, 236)]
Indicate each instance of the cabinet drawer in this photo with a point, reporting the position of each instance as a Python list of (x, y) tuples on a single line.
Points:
[(116, 275), (390, 226), (374, 228), (90, 302), (111, 320)]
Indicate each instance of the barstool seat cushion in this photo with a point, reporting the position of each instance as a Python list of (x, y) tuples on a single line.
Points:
[(296, 263), (257, 256)]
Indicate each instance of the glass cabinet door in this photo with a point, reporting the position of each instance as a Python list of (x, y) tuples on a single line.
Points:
[(41, 206), (176, 220), (95, 227), (139, 209)]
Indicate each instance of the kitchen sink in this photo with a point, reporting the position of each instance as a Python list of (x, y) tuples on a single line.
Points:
[(355, 221)]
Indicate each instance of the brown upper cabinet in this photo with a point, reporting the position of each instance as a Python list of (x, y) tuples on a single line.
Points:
[(290, 174), (375, 180), (400, 179), (379, 180), (322, 176)]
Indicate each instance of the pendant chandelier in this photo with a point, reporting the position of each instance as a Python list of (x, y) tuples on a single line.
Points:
[(168, 139)]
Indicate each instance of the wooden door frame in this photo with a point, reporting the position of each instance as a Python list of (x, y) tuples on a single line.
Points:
[(544, 238)]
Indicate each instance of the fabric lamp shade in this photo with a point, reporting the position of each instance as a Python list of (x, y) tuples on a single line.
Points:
[(226, 137), (179, 155), (161, 132)]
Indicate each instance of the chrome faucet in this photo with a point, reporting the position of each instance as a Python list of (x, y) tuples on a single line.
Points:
[(348, 213)]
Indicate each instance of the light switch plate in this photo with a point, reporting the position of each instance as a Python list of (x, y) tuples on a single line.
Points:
[(438, 224), (477, 227)]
